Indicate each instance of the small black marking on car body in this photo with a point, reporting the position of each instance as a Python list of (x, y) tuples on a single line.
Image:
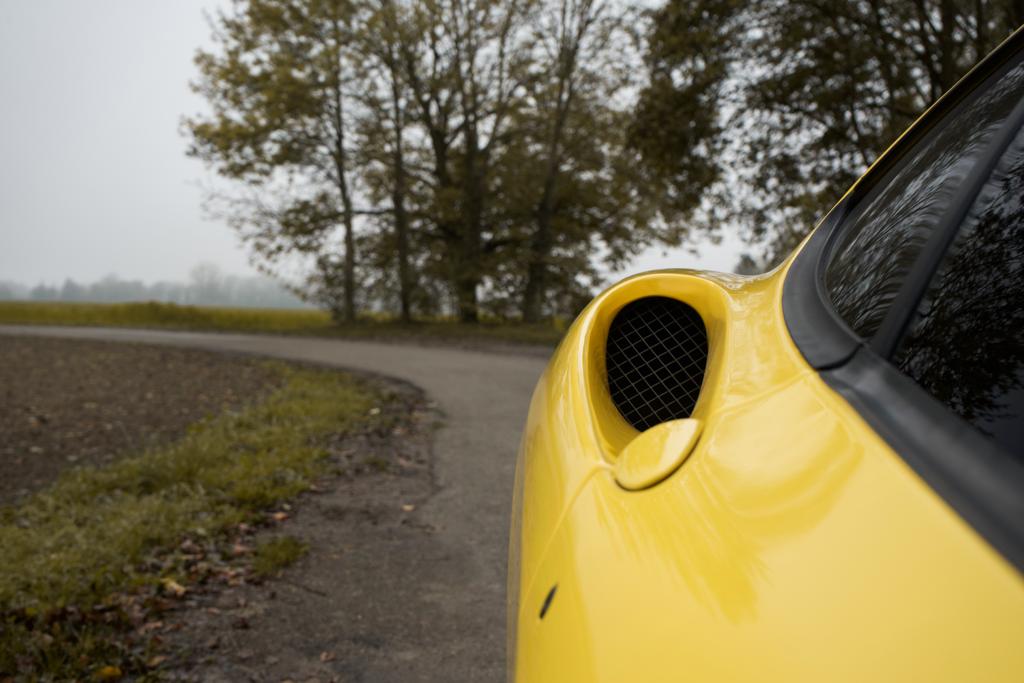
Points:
[(547, 601)]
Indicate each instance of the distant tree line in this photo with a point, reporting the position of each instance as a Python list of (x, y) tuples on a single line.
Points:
[(496, 156), (207, 286)]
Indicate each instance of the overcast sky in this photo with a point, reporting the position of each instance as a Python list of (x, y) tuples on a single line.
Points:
[(93, 173)]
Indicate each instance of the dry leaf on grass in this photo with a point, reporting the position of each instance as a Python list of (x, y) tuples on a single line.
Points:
[(108, 673), (154, 662)]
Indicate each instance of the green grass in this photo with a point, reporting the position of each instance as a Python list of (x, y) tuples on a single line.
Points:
[(278, 321), (71, 552), (275, 554)]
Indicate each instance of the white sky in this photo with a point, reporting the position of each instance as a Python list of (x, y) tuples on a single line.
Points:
[(93, 173)]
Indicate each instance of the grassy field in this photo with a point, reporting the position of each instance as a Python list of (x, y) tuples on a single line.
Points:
[(275, 321), (87, 560)]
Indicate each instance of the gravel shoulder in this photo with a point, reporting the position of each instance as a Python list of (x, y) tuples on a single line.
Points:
[(356, 607), (447, 587)]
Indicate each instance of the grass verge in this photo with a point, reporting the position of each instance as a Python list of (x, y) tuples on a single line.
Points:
[(277, 553), (80, 557), (278, 321)]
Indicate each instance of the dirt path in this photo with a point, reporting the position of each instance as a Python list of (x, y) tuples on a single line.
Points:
[(456, 582)]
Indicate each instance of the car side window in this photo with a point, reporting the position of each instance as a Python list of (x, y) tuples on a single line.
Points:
[(887, 229), (966, 345)]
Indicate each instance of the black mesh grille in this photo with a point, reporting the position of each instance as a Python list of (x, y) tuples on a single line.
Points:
[(656, 354)]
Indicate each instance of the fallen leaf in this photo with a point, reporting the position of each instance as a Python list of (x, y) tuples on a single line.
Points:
[(154, 662), (326, 656), (172, 587), (109, 673), (151, 626), (279, 516), (191, 547)]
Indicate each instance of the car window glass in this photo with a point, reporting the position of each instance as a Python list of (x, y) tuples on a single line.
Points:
[(886, 231), (966, 346)]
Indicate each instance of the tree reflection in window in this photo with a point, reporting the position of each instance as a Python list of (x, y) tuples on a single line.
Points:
[(893, 221), (966, 347)]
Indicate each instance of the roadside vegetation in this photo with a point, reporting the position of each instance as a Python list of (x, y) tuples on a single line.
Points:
[(278, 321), (499, 158), (90, 562), (275, 554)]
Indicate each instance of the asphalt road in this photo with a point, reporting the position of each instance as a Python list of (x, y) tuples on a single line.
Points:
[(484, 396)]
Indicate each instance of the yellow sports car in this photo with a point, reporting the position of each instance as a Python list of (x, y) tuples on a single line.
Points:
[(811, 475)]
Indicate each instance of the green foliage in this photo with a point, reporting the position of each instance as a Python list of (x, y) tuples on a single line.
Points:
[(277, 321), (676, 127), (275, 554), (797, 96), (69, 550), (278, 126), (474, 153)]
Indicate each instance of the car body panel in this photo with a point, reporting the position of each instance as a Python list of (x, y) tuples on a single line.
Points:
[(792, 544)]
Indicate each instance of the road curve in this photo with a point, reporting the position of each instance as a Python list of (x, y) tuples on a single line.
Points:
[(484, 397)]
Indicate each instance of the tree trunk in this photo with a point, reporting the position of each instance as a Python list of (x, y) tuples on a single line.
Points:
[(537, 271), (949, 73), (402, 238), (541, 241), (341, 169), (349, 264), (1016, 13), (466, 297), (349, 274), (398, 201), (467, 277)]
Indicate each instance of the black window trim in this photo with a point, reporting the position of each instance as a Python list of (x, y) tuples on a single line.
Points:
[(975, 476)]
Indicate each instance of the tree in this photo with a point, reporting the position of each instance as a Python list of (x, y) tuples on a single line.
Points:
[(207, 284), (567, 34), (72, 291), (385, 130), (279, 123), (582, 191), (43, 292), (473, 153), (459, 61), (796, 98)]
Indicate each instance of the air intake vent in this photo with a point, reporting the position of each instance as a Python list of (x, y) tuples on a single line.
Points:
[(656, 355)]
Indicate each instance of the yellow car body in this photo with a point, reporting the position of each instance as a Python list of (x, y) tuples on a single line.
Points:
[(793, 543)]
